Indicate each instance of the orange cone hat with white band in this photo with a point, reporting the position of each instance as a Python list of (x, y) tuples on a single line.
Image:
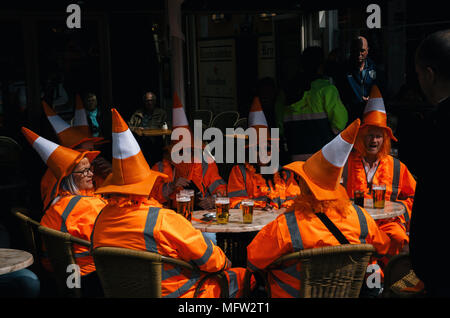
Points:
[(68, 136), (375, 112), (131, 173), (60, 160), (80, 117), (323, 170), (256, 117)]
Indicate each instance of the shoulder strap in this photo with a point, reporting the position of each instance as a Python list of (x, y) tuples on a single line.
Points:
[(332, 228)]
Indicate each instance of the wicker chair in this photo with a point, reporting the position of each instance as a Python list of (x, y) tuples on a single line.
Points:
[(398, 275), (131, 273), (29, 229), (325, 272), (59, 248)]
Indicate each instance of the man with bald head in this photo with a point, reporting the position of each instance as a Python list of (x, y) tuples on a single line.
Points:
[(430, 218), (358, 77)]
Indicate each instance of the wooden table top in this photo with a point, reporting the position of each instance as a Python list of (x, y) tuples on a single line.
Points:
[(391, 209), (235, 225), (12, 260), (150, 131)]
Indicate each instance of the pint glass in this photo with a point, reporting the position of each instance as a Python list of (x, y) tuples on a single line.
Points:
[(191, 194), (378, 193), (184, 206), (222, 209), (247, 211)]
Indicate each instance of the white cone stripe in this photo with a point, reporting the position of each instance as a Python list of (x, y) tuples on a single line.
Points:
[(337, 151), (124, 145), (58, 123), (44, 148), (179, 117), (375, 104), (257, 118), (79, 118)]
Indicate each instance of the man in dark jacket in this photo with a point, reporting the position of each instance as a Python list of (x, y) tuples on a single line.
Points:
[(430, 214)]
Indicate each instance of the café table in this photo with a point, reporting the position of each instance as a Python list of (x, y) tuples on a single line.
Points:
[(234, 236), (12, 260), (391, 209)]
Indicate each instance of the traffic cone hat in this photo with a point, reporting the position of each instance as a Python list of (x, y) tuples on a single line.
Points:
[(131, 173), (179, 120), (323, 170), (375, 112), (258, 121), (80, 117), (69, 136), (59, 159)]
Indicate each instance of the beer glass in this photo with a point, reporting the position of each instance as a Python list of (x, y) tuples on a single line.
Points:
[(358, 196), (184, 206), (191, 194), (222, 210), (378, 193), (247, 211)]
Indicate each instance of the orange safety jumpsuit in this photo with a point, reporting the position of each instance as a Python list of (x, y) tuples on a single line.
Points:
[(148, 227), (294, 231), (204, 175), (400, 187), (244, 182), (75, 214)]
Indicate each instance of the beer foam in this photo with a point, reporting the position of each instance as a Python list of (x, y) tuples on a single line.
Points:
[(248, 203), (183, 199), (223, 200)]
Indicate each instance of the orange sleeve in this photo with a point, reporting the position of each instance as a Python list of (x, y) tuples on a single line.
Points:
[(213, 181), (236, 187)]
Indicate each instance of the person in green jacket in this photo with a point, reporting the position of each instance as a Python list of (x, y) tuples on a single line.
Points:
[(319, 115)]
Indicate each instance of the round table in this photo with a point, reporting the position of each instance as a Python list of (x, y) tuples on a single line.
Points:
[(12, 260), (235, 225), (234, 237), (391, 209)]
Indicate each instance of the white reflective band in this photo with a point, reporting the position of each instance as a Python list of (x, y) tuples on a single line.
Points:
[(337, 151), (58, 123), (44, 148), (79, 118), (179, 117), (257, 118), (375, 104), (124, 145)]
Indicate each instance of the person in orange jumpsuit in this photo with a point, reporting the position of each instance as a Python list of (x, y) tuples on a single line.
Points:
[(321, 196), (78, 137), (371, 163), (135, 220), (202, 176), (75, 206), (269, 191)]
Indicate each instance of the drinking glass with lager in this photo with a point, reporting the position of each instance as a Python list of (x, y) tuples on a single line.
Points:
[(184, 206), (222, 209), (247, 211), (191, 194), (378, 193)]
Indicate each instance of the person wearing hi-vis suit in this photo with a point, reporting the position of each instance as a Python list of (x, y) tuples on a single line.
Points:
[(133, 219), (322, 202), (75, 206), (371, 163)]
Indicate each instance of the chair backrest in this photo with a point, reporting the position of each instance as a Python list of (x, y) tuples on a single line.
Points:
[(29, 228), (205, 115), (226, 119), (330, 272), (59, 249), (138, 274)]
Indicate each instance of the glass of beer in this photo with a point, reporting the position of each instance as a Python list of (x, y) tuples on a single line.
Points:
[(247, 211), (358, 196), (378, 193), (222, 209), (191, 194), (184, 206)]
